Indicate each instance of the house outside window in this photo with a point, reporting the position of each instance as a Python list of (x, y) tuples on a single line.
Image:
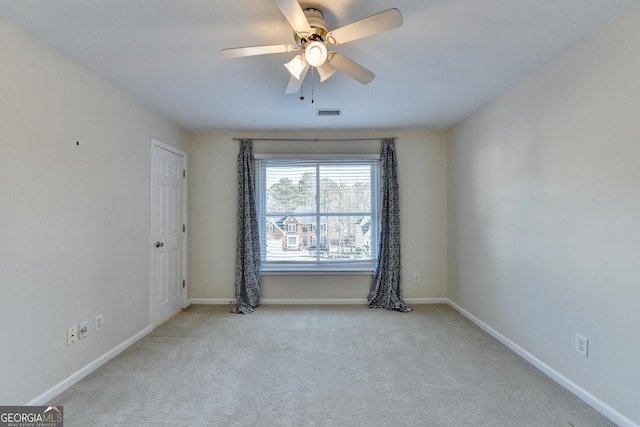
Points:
[(331, 201)]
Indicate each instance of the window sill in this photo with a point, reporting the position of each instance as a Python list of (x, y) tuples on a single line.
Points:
[(308, 272)]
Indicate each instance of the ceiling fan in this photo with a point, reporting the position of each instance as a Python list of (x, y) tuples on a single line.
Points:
[(312, 36)]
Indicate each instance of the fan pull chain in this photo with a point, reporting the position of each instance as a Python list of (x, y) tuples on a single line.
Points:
[(312, 79), (312, 87)]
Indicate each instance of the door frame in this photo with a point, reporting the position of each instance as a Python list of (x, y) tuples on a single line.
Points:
[(158, 145)]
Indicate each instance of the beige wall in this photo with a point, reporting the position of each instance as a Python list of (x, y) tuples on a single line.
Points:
[(545, 209), (422, 176), (74, 240)]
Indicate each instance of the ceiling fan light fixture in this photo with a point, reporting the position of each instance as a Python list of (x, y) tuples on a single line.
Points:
[(311, 36), (296, 66), (315, 53), (325, 71)]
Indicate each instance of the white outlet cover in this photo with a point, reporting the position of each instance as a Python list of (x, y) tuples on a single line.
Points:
[(83, 330), (98, 323), (582, 345)]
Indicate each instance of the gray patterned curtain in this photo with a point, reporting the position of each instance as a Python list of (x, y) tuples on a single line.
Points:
[(248, 240), (385, 289)]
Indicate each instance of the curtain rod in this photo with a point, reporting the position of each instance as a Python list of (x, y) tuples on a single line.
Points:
[(311, 139)]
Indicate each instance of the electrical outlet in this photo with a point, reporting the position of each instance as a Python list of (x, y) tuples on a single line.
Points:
[(98, 323), (416, 277), (84, 329), (582, 345), (72, 335)]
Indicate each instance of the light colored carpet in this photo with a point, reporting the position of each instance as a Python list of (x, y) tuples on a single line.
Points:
[(321, 366)]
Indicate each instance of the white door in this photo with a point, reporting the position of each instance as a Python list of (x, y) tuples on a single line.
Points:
[(167, 232)]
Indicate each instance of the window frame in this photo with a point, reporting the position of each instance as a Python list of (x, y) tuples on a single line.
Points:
[(363, 266)]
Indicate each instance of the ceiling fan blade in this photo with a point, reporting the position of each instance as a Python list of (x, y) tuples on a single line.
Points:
[(352, 69), (295, 15), (238, 52), (382, 21), (295, 84)]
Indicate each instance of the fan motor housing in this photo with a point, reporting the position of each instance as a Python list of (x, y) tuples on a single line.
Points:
[(319, 28)]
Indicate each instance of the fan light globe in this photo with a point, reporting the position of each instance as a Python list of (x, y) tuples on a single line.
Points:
[(325, 71), (315, 53), (296, 66)]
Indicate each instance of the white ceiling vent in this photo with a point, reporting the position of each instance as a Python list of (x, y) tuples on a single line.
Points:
[(328, 112)]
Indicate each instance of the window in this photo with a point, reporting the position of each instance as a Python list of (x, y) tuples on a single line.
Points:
[(335, 203)]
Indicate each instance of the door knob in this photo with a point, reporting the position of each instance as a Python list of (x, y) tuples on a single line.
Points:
[(159, 244)]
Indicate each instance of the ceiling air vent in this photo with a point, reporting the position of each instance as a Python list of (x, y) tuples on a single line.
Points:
[(328, 112)]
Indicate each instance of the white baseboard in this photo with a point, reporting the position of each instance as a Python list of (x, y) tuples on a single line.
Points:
[(77, 376), (327, 301), (583, 394), (426, 300), (211, 301), (274, 301)]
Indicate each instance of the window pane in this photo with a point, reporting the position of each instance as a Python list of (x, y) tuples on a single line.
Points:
[(286, 242), (349, 237), (345, 188), (291, 188)]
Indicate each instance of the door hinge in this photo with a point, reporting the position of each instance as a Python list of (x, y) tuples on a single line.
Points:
[(184, 228), (184, 283), (184, 173)]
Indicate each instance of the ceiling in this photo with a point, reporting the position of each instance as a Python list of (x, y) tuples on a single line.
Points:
[(449, 58)]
